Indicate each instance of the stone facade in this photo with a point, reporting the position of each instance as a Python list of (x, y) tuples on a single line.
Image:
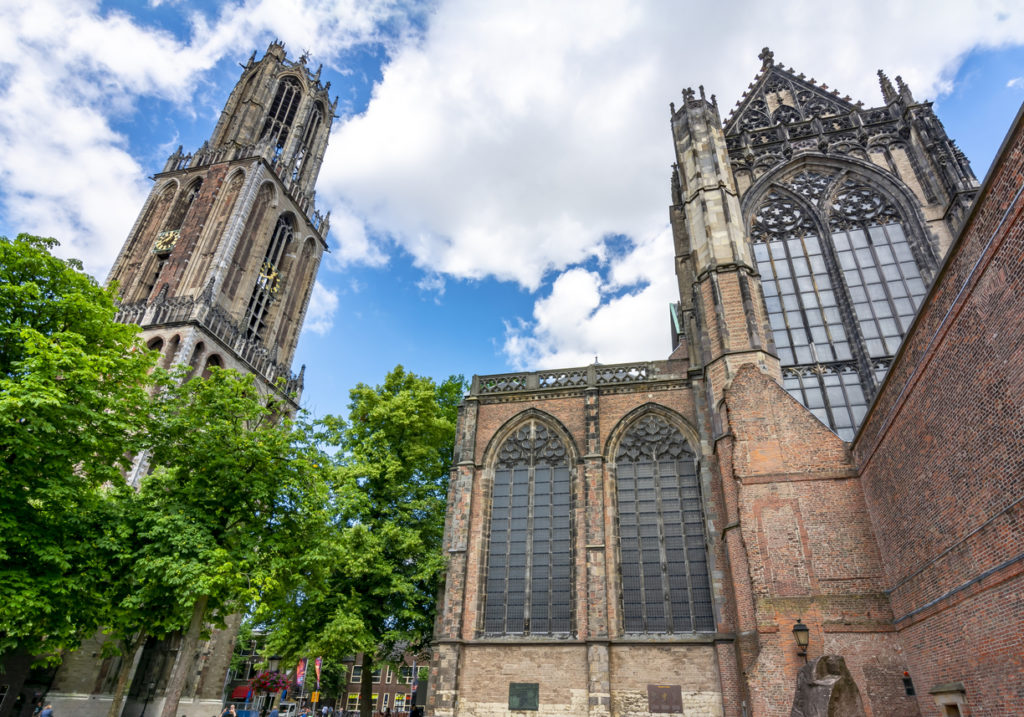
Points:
[(218, 271), (881, 512)]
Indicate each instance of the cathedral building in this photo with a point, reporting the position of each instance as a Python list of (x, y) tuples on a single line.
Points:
[(218, 271), (834, 450)]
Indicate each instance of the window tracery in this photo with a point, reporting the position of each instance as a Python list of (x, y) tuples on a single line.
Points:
[(282, 112), (529, 576), (662, 549), (268, 281)]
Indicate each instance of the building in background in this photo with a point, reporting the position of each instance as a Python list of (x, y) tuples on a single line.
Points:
[(393, 689), (218, 271), (831, 445)]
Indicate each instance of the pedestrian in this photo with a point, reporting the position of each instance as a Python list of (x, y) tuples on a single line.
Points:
[(229, 711), (47, 711)]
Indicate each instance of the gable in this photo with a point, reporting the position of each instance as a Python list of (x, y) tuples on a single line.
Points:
[(779, 95)]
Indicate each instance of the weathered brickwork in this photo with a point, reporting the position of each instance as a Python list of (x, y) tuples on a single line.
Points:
[(806, 540), (942, 461)]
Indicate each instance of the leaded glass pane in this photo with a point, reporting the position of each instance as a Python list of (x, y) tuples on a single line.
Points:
[(528, 567), (659, 503), (862, 267)]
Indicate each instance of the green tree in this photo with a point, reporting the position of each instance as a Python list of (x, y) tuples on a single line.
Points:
[(394, 454), (73, 402), (237, 494)]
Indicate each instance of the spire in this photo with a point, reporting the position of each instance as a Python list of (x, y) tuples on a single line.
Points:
[(888, 91), (905, 94), (767, 58)]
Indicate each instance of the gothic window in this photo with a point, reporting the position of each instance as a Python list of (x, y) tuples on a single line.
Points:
[(268, 280), (663, 554), (841, 287), (282, 112), (177, 216), (316, 115), (529, 578)]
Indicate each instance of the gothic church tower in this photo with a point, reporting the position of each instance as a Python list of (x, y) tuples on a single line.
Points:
[(218, 271), (220, 264)]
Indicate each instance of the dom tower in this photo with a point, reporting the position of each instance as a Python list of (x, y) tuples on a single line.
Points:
[(219, 266), (218, 271)]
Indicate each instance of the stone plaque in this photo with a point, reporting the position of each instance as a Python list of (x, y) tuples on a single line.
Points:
[(523, 695), (664, 698)]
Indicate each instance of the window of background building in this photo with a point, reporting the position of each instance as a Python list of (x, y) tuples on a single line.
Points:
[(528, 587), (357, 673), (353, 702), (387, 675), (400, 702), (406, 674), (376, 677)]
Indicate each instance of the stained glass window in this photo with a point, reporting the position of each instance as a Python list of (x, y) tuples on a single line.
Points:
[(662, 550), (529, 557)]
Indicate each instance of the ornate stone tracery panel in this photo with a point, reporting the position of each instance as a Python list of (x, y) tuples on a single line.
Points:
[(779, 216), (856, 204)]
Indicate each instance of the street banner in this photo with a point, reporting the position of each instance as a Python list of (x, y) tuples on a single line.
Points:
[(316, 666), (300, 672)]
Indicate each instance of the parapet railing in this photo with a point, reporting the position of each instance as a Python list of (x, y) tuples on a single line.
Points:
[(592, 376), (218, 322)]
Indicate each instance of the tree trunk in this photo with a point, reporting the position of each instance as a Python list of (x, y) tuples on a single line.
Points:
[(183, 664), (131, 660), (366, 687)]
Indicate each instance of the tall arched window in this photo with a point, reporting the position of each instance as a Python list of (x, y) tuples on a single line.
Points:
[(662, 550), (282, 112), (843, 278), (529, 577), (176, 218), (316, 116), (268, 281)]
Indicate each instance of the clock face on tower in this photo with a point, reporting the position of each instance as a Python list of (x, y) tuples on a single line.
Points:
[(269, 278), (165, 241)]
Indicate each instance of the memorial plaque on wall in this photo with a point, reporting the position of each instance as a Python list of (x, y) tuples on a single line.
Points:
[(523, 695), (664, 698)]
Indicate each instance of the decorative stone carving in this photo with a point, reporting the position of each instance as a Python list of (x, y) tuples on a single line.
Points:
[(780, 217), (534, 443), (653, 438), (857, 205)]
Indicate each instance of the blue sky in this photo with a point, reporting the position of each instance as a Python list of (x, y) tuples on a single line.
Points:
[(498, 173)]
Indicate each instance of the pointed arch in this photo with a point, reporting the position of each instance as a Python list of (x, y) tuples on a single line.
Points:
[(252, 236), (665, 582), (281, 115), (528, 567), (687, 429)]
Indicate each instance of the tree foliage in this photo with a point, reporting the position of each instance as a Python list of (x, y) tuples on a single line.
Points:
[(73, 403), (392, 462)]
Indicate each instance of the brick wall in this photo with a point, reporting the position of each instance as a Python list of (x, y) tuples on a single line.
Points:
[(942, 461), (801, 546)]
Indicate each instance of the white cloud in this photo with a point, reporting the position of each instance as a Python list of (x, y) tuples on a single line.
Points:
[(1016, 82), (513, 139), (432, 283), (617, 318), (323, 302), (508, 141)]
